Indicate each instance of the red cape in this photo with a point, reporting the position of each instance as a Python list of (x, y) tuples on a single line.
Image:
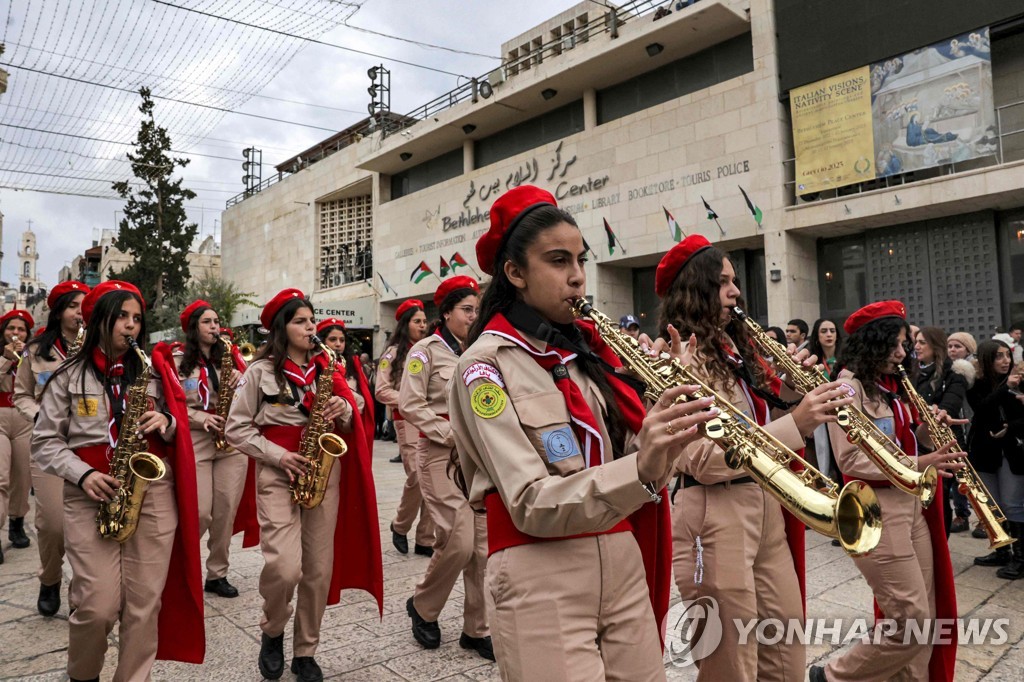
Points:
[(245, 516), (181, 630)]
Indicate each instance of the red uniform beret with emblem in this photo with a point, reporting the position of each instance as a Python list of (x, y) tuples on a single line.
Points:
[(190, 310), (673, 261), (874, 311), (454, 284), (64, 288), (505, 214), (406, 305), (18, 315), (329, 322), (104, 288), (275, 304)]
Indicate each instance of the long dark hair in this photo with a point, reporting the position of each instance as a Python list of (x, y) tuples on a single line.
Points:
[(193, 349), (815, 343), (867, 350), (693, 306), (500, 294), (986, 355), (103, 319), (276, 348), (447, 305), (401, 342), (54, 326), (346, 354)]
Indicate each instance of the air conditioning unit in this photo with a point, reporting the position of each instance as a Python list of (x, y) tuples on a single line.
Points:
[(496, 77)]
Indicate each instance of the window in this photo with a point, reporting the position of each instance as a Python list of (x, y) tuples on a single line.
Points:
[(432, 172), (346, 236), (27, 269), (530, 134)]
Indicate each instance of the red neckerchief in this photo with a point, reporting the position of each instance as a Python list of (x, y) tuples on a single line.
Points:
[(758, 405), (204, 385), (903, 415), (305, 379), (111, 374), (58, 345)]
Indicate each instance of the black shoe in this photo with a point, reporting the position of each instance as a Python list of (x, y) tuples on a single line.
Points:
[(49, 600), (95, 679), (1000, 557), (817, 674), (221, 587), (426, 632), (1015, 569), (482, 645), (271, 656), (306, 669), (836, 543), (960, 524), (1, 555), (423, 550), (397, 459), (16, 533), (400, 541), (979, 532)]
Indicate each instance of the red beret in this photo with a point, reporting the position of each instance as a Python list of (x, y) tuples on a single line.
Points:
[(20, 315), (506, 213), (63, 288), (329, 322), (673, 261), (40, 331), (406, 305), (275, 304), (104, 288), (874, 311), (228, 332), (187, 313), (453, 284)]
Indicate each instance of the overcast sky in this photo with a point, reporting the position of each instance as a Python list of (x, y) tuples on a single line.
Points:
[(319, 75)]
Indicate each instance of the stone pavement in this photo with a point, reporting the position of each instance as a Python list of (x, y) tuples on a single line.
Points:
[(357, 645)]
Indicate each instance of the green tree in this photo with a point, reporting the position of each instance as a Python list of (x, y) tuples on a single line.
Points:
[(155, 230), (222, 295)]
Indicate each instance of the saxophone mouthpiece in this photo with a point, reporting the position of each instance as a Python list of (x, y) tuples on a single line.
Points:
[(581, 306), (738, 312)]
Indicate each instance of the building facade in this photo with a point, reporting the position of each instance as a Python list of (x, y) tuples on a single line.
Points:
[(628, 114)]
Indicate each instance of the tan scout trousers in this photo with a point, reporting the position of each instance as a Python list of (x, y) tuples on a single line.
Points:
[(460, 545), (220, 478), (573, 610), (900, 573), (412, 499), (116, 581), (15, 478), (49, 525), (747, 568), (298, 548)]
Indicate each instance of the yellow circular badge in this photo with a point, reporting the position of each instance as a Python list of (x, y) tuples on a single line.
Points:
[(384, 364), (488, 401), (415, 366)]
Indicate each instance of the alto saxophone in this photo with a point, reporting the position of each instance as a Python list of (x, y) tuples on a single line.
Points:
[(131, 465), (968, 480), (319, 445), (76, 345), (851, 515), (894, 464), (225, 394)]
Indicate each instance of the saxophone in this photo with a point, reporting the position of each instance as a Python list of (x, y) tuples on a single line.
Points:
[(76, 345), (131, 465), (851, 515), (968, 480), (894, 464), (224, 394), (319, 446)]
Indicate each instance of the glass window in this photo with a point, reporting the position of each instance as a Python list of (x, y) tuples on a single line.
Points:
[(530, 134), (423, 175)]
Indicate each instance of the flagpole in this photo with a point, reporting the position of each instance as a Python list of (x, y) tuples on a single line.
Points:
[(369, 283), (478, 275), (720, 229)]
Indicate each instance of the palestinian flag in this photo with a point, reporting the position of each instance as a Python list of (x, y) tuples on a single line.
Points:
[(586, 246), (674, 230), (458, 261), (421, 272), (612, 240), (387, 287), (445, 268), (755, 210), (711, 212)]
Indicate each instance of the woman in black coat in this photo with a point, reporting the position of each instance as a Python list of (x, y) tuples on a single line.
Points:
[(996, 447)]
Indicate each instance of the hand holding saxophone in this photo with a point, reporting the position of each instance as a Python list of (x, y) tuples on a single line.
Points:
[(335, 408), (153, 421), (945, 459), (294, 465), (214, 423), (100, 487), (820, 405), (668, 427)]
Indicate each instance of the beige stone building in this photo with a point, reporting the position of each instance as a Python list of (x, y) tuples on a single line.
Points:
[(624, 115)]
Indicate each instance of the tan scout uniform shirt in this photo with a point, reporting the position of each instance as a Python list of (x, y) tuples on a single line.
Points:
[(6, 379), (383, 390), (32, 376), (196, 414), (423, 397), (548, 490), (249, 411), (73, 414)]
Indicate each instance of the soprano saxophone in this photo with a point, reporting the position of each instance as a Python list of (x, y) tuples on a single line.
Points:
[(76, 345), (131, 465), (968, 480), (225, 394), (319, 446), (851, 515), (894, 464)]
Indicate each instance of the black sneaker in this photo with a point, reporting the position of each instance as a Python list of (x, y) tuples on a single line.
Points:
[(482, 645), (49, 600), (979, 532), (426, 632), (423, 550), (397, 459), (307, 669), (400, 541), (221, 587), (16, 533), (271, 661), (817, 674)]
